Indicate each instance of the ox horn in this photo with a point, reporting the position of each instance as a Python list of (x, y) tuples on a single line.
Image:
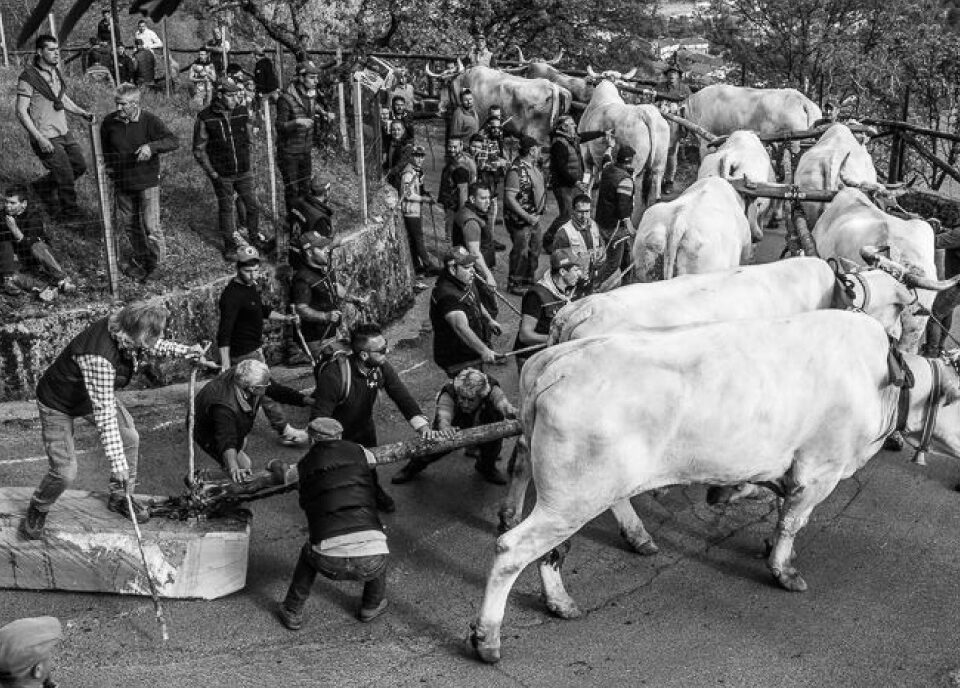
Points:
[(590, 73), (847, 264), (912, 279), (460, 67), (557, 59), (520, 54), (629, 75), (430, 72)]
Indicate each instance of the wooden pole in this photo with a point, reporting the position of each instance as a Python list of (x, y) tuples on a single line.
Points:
[(3, 42), (113, 49), (53, 25), (223, 46), (902, 153), (109, 242), (279, 58), (695, 128), (342, 107), (930, 157), (166, 58), (279, 230), (358, 137)]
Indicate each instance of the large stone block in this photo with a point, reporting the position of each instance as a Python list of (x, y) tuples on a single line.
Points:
[(374, 259)]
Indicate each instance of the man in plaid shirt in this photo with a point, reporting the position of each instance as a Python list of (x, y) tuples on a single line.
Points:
[(80, 384)]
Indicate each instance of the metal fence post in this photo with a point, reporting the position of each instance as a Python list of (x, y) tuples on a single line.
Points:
[(166, 58), (341, 105), (109, 238)]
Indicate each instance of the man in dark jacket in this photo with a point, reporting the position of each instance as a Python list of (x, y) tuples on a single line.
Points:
[(103, 27), (948, 299), (221, 145), (338, 494), (614, 210), (126, 64), (146, 72), (81, 383), (309, 213), (264, 74), (23, 245), (132, 141), (348, 386), (226, 408)]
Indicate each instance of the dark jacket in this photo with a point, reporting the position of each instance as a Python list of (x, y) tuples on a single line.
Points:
[(566, 160), (450, 295), (122, 139), (337, 490), (30, 223), (610, 207), (265, 76), (308, 214), (318, 290), (292, 139), (61, 386), (128, 68), (221, 140), (222, 423), (146, 71), (241, 318)]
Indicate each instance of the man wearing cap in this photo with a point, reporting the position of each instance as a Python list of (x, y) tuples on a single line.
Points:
[(338, 493), (829, 116), (240, 333), (297, 108), (412, 198), (26, 646), (615, 209), (226, 409), (472, 398), (133, 140), (566, 166), (310, 213), (455, 178), (461, 325), (264, 75), (222, 147), (524, 199), (540, 304), (464, 120), (348, 387), (581, 236), (479, 54), (672, 93)]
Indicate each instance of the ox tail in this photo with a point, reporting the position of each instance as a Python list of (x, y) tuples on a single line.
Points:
[(836, 171), (675, 234), (555, 108)]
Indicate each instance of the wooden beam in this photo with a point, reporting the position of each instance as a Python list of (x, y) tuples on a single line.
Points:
[(710, 137), (87, 548), (786, 192), (930, 157), (894, 124)]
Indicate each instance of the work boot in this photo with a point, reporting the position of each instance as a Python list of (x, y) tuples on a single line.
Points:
[(490, 473), (666, 188), (894, 442), (292, 620), (119, 504), (293, 437), (31, 526), (367, 615)]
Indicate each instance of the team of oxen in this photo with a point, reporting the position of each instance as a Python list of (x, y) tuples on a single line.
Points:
[(634, 390)]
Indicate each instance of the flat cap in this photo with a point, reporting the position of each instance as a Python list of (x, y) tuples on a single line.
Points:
[(324, 427), (26, 642)]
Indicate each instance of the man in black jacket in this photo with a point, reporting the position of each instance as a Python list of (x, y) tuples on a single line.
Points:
[(24, 246), (226, 408), (221, 145), (264, 74), (615, 201), (348, 386), (338, 494)]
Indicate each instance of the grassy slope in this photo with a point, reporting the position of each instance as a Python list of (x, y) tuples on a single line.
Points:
[(188, 214)]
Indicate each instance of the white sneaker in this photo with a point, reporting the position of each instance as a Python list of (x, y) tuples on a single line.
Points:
[(293, 437)]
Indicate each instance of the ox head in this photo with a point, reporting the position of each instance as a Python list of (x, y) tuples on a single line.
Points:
[(450, 81), (611, 75), (554, 61)]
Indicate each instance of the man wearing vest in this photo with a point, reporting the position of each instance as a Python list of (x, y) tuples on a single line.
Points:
[(296, 109), (581, 237), (80, 383), (42, 107), (221, 146), (479, 54), (132, 140), (524, 200), (672, 93), (540, 304), (227, 407), (412, 199), (614, 211), (348, 386), (472, 230), (338, 494), (472, 398), (455, 178)]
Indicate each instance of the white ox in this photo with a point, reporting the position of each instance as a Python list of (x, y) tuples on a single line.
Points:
[(642, 127), (851, 221), (611, 417), (742, 156), (837, 158), (702, 230)]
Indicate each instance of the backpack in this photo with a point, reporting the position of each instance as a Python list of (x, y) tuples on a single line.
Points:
[(340, 357)]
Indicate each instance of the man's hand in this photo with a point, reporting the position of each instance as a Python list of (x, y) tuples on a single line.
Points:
[(14, 229), (495, 327), (293, 318), (334, 316), (488, 355), (123, 477), (426, 433), (303, 122), (237, 474), (144, 153), (44, 144)]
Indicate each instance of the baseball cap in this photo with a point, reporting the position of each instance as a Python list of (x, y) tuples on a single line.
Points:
[(26, 642), (247, 255), (307, 67), (324, 427), (625, 154), (314, 239), (460, 256), (562, 258), (227, 85), (418, 150), (319, 184)]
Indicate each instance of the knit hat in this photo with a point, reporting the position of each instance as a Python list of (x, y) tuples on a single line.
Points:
[(324, 428), (25, 643), (247, 255), (625, 154)]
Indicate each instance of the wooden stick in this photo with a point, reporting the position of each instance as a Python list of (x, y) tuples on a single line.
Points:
[(278, 229), (695, 128), (191, 417), (53, 26), (3, 42), (166, 58), (146, 569), (109, 241), (113, 50), (342, 108), (930, 157), (303, 340), (893, 124), (504, 299), (358, 124)]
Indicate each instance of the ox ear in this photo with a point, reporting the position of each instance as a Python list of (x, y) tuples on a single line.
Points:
[(590, 73)]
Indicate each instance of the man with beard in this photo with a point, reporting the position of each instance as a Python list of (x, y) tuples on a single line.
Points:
[(240, 334), (25, 649), (464, 121), (524, 200), (42, 107), (400, 113), (348, 386), (614, 211), (582, 237), (81, 383), (455, 178), (310, 213)]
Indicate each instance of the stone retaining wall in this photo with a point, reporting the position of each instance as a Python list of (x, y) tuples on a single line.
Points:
[(374, 259)]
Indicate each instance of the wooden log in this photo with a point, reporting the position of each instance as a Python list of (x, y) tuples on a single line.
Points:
[(783, 191), (412, 449), (930, 157), (710, 137), (87, 548), (894, 124), (798, 135)]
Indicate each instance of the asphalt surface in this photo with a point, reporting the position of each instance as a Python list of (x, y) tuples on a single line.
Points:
[(880, 556)]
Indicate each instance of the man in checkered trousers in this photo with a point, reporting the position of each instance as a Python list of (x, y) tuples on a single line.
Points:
[(81, 384)]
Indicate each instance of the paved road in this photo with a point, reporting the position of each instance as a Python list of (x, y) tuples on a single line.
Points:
[(881, 555)]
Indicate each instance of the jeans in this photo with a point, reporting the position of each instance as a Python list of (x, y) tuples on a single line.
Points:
[(139, 213), (489, 451), (371, 571), (524, 254), (296, 169), (225, 188), (56, 430), (271, 409), (46, 261), (418, 250), (64, 165), (564, 196)]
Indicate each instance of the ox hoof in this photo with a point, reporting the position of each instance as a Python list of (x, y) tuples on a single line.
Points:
[(508, 521), (564, 609), (791, 580), (487, 652), (643, 547)]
